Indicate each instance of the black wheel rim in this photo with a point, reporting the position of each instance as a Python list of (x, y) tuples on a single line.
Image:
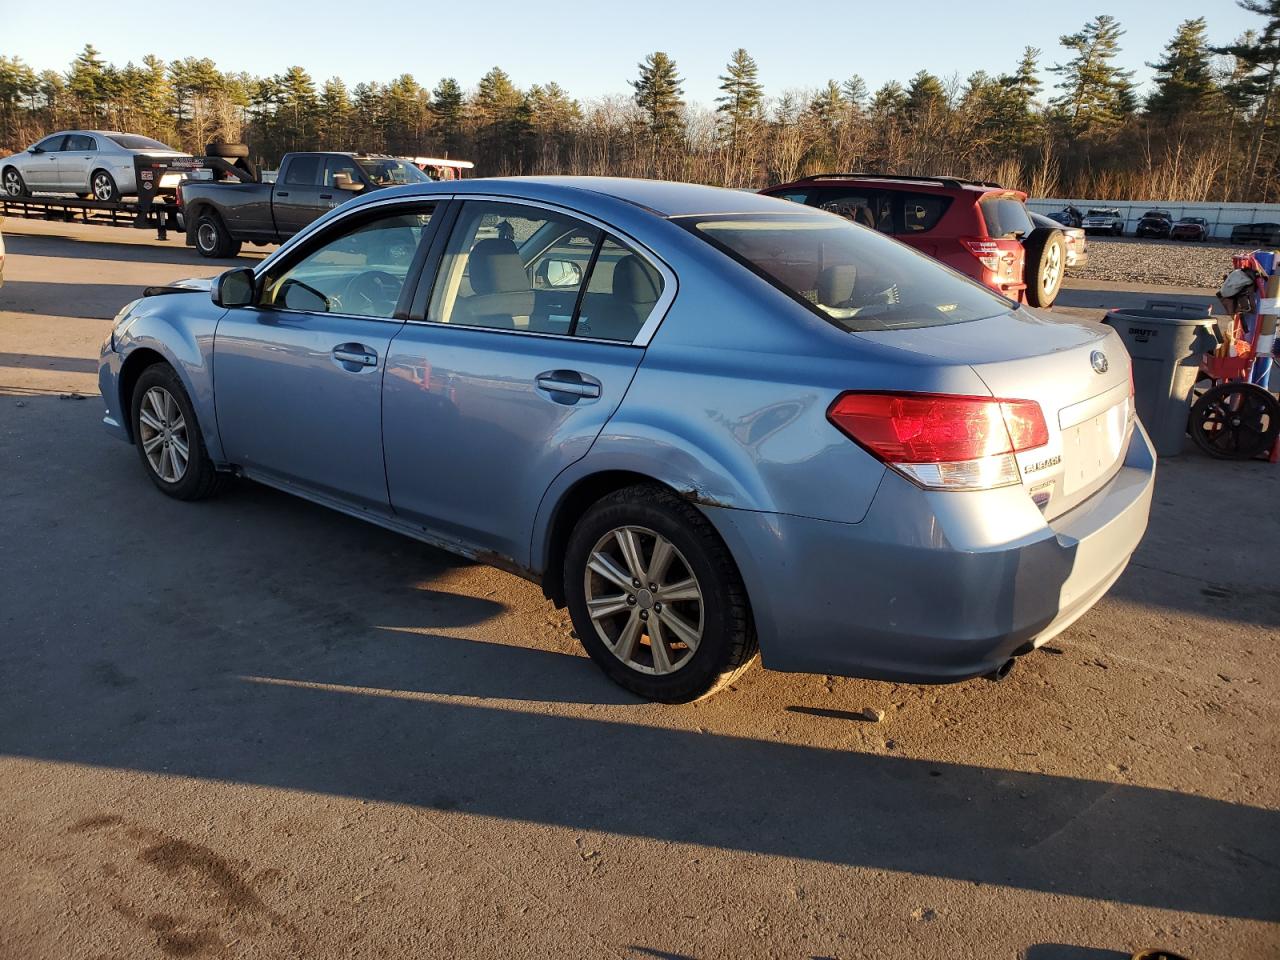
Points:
[(1236, 421)]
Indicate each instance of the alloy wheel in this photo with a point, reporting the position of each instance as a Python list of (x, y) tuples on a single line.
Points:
[(644, 600), (207, 237), (1051, 276), (162, 431), (103, 188), (12, 184)]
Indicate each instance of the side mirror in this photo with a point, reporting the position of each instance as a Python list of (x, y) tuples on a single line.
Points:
[(343, 181), (235, 288), (559, 273), (35, 149)]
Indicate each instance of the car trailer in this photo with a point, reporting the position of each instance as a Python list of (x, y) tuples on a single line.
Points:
[(158, 202)]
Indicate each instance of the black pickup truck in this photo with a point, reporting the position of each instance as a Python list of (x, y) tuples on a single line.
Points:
[(220, 216)]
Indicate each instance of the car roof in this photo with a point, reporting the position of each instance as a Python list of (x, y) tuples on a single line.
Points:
[(661, 197)]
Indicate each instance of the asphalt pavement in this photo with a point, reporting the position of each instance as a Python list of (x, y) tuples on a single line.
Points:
[(250, 727)]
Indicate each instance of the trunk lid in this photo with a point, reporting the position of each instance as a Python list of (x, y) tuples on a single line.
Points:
[(1076, 370)]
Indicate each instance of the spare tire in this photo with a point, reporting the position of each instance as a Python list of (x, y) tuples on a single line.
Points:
[(229, 151), (1045, 265)]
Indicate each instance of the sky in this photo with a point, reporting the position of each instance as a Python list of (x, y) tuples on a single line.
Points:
[(592, 49)]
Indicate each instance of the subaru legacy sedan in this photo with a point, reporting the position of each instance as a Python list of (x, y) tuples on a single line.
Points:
[(709, 422)]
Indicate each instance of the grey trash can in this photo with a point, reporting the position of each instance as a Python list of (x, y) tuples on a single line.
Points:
[(1165, 342)]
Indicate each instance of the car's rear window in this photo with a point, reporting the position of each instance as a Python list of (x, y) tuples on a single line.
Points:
[(1006, 217), (131, 141), (850, 275)]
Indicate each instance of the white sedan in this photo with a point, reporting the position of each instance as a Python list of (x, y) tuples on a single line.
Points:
[(94, 164)]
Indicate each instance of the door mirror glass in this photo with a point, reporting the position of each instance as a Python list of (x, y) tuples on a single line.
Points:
[(235, 288), (343, 181), (559, 273), (296, 295)]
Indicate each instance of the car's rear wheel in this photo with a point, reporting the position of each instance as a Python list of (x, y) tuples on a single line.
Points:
[(104, 187), (655, 596), (168, 436), (1046, 265), (213, 239), (14, 185)]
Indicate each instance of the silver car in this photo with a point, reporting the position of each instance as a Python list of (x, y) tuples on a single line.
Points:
[(706, 421), (93, 164)]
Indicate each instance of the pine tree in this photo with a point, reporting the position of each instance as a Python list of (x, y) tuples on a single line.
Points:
[(502, 114), (925, 96), (889, 101), (854, 90), (447, 105), (827, 106), (1097, 95), (1257, 56), (86, 83), (17, 83), (1015, 114), (740, 96), (335, 115), (658, 94), (1184, 78)]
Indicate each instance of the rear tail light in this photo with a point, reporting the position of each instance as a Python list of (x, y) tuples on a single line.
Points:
[(987, 252), (940, 441)]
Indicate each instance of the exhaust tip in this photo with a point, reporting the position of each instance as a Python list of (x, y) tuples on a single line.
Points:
[(1002, 671)]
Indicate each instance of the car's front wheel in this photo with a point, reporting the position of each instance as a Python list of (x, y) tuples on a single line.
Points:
[(655, 597), (168, 436), (14, 185)]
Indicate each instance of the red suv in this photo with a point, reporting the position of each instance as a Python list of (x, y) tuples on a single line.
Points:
[(980, 229)]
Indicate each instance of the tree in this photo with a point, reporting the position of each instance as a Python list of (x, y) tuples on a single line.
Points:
[(1015, 116), (501, 114), (1096, 94), (17, 83), (1184, 78), (447, 104), (658, 94), (925, 97), (86, 83), (741, 95), (889, 101), (336, 115), (1257, 83)]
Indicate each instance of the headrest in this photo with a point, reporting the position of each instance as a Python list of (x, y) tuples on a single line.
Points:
[(633, 282), (496, 268), (836, 283)]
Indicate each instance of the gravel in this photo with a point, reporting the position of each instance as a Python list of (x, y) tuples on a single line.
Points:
[(1158, 261)]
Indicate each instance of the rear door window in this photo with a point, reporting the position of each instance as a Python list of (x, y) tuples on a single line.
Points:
[(303, 170), (868, 208), (1006, 217), (79, 143), (920, 212)]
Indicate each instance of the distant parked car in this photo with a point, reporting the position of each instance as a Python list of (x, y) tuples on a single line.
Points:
[(976, 227), (1104, 220), (1068, 216), (93, 164), (702, 419), (1190, 228), (1077, 242), (1264, 233), (1154, 224)]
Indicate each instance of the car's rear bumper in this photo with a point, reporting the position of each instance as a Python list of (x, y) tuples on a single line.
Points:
[(934, 587)]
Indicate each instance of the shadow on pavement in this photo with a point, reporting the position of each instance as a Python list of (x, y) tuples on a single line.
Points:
[(1064, 951), (94, 301), (65, 246), (39, 361)]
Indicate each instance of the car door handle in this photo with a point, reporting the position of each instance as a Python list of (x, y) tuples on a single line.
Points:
[(326, 196), (567, 382), (282, 193), (355, 353)]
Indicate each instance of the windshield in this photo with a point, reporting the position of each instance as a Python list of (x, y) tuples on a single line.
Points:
[(384, 172), (851, 275), (1103, 213), (131, 141)]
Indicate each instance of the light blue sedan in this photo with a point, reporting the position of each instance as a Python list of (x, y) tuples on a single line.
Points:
[(709, 422)]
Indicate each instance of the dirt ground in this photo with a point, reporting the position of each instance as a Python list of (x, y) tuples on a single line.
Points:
[(252, 728)]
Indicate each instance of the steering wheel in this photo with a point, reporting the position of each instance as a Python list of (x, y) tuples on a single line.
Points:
[(372, 293)]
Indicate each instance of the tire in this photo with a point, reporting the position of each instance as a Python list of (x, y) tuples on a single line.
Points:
[(725, 642), (104, 187), (14, 185), (165, 399), (1117, 230), (1235, 421), (1045, 266), (228, 151), (212, 237)]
